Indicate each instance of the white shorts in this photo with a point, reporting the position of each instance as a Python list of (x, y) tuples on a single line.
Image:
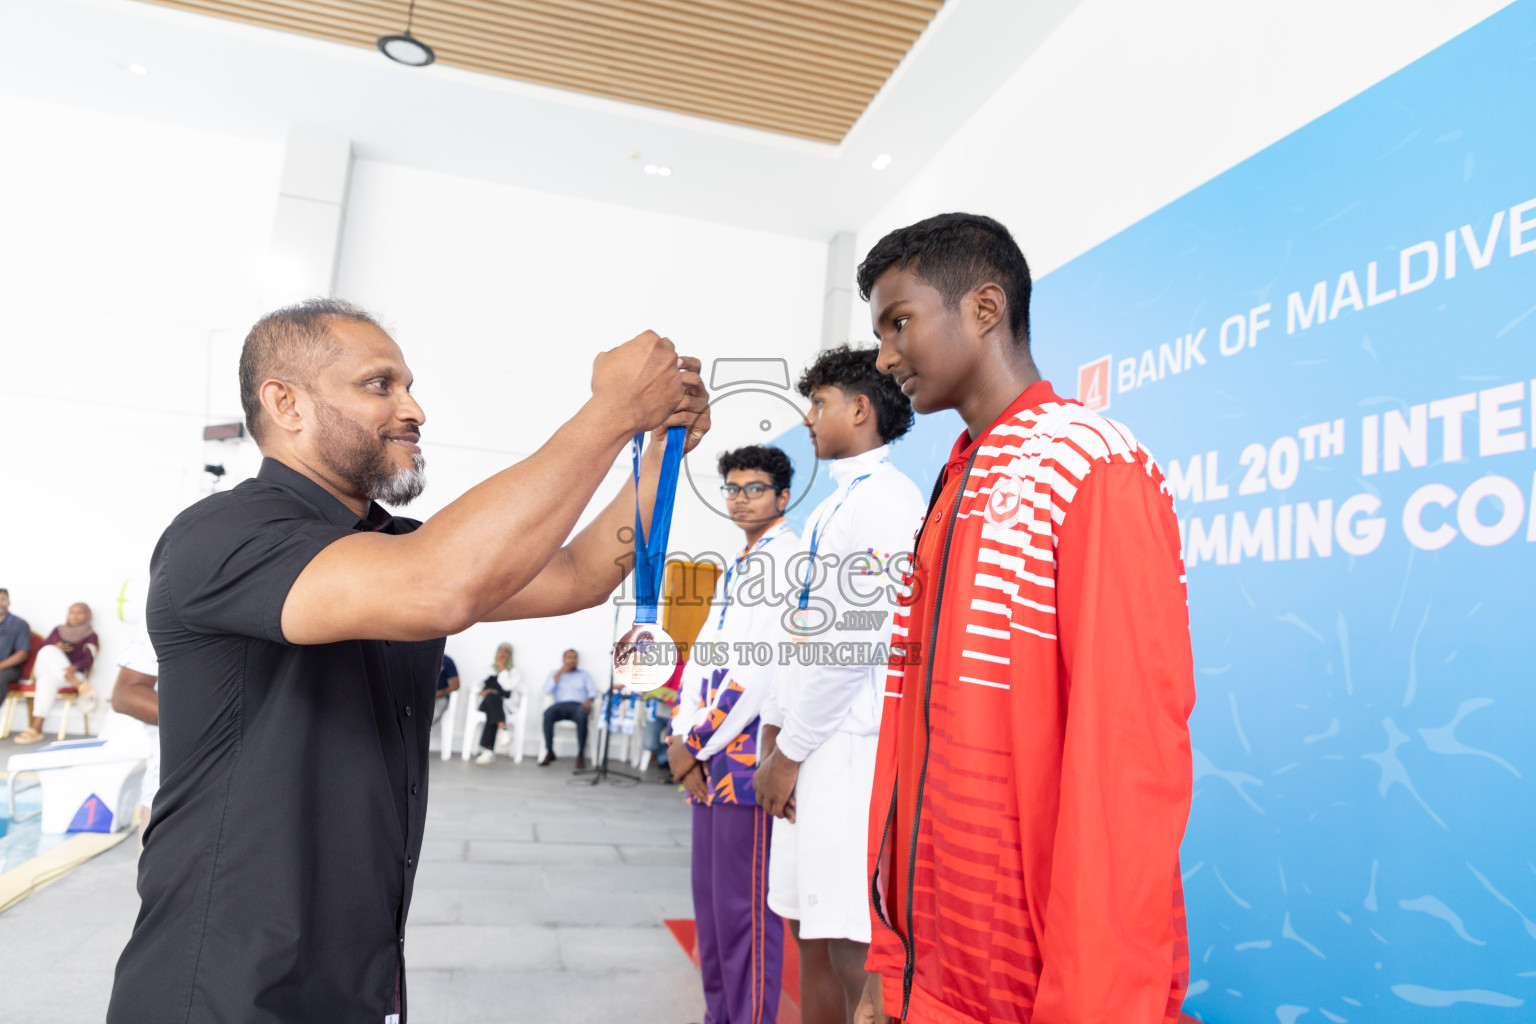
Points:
[(818, 867)]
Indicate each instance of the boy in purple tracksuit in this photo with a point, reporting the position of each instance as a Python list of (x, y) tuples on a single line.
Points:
[(713, 751)]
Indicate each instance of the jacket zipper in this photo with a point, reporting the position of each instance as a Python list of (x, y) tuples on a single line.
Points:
[(890, 814), (910, 940), (874, 879)]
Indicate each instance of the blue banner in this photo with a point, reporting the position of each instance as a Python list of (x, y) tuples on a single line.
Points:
[(1331, 350)]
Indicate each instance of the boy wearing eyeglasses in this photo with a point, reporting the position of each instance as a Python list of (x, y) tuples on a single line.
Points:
[(713, 748), (821, 725)]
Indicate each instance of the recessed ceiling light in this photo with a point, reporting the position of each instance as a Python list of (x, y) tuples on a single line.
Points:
[(658, 170), (136, 69), (405, 48), (881, 162)]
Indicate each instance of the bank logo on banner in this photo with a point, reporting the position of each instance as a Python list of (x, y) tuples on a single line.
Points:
[(1093, 384)]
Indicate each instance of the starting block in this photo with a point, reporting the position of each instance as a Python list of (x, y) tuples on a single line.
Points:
[(88, 785)]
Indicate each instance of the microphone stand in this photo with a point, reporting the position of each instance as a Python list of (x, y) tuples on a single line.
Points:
[(600, 771)]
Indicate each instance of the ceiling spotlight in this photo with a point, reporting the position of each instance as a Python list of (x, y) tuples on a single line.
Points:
[(881, 162), (136, 69), (405, 48), (658, 170)]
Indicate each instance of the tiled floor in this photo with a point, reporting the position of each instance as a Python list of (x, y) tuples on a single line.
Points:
[(537, 900)]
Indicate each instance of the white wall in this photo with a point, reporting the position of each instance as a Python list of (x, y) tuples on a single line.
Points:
[(131, 256), (1131, 103), (123, 244), (501, 297)]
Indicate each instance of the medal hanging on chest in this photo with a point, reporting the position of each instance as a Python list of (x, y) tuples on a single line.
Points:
[(644, 657)]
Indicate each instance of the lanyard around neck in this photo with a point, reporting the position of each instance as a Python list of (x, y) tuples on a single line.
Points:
[(731, 571), (810, 562)]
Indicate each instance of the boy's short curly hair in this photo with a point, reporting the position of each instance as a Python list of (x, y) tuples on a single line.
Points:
[(853, 370), (765, 457)]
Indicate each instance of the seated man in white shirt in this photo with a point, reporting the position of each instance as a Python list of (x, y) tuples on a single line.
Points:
[(574, 692), (821, 723)]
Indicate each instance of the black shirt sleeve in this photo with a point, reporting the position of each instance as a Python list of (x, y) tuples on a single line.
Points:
[(230, 571)]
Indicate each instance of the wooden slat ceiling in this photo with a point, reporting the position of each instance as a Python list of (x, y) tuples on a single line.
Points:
[(799, 67)]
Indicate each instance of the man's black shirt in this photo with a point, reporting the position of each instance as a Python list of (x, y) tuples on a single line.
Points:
[(280, 855)]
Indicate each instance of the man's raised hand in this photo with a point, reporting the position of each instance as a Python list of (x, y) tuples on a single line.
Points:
[(693, 411), (640, 381)]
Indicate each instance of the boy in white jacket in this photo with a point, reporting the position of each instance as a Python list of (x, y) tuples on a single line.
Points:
[(821, 726)]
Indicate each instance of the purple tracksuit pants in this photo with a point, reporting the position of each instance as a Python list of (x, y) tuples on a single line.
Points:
[(741, 941)]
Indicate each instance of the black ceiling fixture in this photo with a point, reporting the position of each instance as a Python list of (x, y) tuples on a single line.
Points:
[(405, 48)]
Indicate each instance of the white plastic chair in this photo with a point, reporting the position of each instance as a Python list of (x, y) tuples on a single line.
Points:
[(652, 709), (594, 725), (450, 715), (627, 721), (630, 719), (516, 710)]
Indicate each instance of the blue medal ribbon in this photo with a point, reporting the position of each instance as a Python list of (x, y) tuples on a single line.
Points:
[(726, 591), (651, 552), (810, 563)]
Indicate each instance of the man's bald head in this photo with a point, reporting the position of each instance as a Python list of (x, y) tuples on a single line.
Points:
[(291, 344)]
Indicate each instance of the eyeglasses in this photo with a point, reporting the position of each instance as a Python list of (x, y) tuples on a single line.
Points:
[(752, 490)]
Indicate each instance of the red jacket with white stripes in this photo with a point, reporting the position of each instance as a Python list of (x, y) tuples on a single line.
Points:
[(1033, 779)]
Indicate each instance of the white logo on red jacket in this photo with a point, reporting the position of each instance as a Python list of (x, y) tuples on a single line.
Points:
[(1006, 501)]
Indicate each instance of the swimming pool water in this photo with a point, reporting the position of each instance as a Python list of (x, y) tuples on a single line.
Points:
[(21, 841)]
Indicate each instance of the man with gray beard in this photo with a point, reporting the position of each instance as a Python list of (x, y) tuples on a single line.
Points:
[(299, 628)]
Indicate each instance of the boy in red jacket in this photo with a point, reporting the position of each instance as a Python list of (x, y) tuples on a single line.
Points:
[(1033, 776)]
